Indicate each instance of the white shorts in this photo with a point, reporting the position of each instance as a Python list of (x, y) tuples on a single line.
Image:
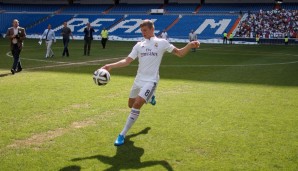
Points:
[(144, 89)]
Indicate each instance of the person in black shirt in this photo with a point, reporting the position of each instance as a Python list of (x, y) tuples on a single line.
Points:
[(88, 38), (66, 32)]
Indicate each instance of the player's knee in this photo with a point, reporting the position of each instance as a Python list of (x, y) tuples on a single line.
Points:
[(138, 103), (131, 102)]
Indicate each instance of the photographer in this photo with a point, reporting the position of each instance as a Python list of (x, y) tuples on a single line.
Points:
[(16, 35)]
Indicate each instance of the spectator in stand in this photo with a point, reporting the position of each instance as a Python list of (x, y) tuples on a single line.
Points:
[(272, 24)]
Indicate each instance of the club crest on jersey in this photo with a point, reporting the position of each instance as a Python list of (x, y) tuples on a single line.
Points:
[(156, 45)]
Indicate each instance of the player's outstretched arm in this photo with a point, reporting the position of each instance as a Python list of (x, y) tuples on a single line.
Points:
[(183, 51), (121, 63)]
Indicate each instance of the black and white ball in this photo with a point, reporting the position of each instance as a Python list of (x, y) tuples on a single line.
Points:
[(101, 77)]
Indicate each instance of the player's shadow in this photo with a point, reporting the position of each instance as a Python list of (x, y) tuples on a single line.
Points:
[(4, 75), (128, 156)]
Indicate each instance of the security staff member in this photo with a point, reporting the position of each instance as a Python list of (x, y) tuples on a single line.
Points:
[(49, 35), (225, 38), (258, 38), (104, 37), (286, 40), (231, 36), (88, 38)]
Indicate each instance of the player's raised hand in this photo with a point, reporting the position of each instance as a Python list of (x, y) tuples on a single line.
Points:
[(195, 44)]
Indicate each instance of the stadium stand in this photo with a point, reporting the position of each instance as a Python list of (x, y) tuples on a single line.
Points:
[(98, 22), (134, 8), (234, 8), (270, 24), (55, 21), (289, 6), (209, 20), (207, 26), (181, 8), (30, 8), (26, 20), (129, 27), (83, 9)]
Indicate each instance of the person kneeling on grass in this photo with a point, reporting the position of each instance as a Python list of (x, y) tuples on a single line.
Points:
[(149, 53)]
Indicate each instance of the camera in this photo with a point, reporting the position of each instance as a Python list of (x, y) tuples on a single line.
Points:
[(17, 36)]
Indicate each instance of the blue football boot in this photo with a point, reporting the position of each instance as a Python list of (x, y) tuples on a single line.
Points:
[(120, 140), (153, 101)]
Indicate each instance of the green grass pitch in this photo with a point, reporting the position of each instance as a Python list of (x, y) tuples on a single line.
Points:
[(224, 107)]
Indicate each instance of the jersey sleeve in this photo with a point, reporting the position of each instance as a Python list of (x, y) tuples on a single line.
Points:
[(134, 53), (168, 46)]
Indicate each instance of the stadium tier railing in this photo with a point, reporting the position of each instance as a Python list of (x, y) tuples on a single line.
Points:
[(267, 41)]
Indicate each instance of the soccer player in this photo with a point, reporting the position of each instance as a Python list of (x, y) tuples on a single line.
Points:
[(49, 35), (149, 53)]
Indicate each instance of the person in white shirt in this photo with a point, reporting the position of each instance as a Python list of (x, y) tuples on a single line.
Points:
[(149, 53), (164, 35), (193, 37), (49, 35)]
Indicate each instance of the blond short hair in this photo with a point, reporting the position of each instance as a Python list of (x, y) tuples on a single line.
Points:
[(147, 23)]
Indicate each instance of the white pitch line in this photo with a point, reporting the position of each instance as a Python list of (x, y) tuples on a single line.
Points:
[(63, 63), (74, 63), (39, 60), (247, 65), (101, 60)]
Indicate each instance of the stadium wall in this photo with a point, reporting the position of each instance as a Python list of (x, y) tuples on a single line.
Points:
[(96, 2), (35, 2), (185, 1), (160, 1), (142, 1), (290, 1), (57, 2), (248, 1), (238, 1)]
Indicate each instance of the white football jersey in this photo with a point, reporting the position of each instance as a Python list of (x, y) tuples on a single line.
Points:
[(150, 52)]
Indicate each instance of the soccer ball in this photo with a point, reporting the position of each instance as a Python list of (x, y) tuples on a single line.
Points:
[(101, 77)]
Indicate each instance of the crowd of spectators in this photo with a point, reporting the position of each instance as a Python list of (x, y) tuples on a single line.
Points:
[(276, 23)]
